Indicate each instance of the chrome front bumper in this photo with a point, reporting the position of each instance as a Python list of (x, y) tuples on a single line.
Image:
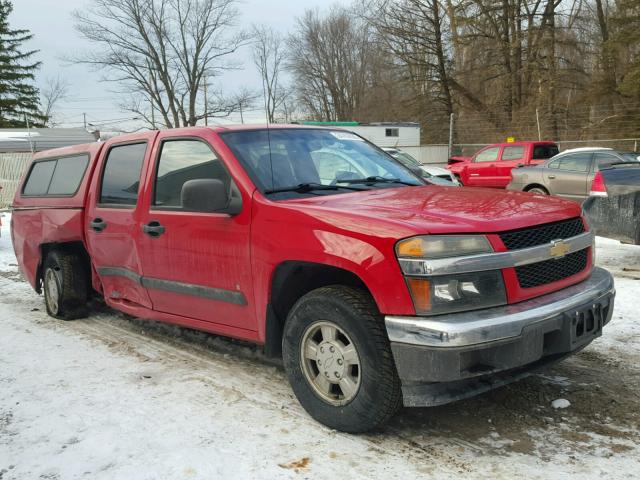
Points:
[(498, 323), (445, 358)]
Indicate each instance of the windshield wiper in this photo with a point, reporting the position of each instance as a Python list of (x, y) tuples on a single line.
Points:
[(310, 187), (377, 179)]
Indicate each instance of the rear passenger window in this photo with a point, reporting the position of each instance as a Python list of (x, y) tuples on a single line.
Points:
[(576, 162), (39, 178), (68, 175), (513, 153), (181, 161), (58, 177), (121, 177)]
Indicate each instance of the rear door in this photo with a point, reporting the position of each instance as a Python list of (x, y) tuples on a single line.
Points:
[(113, 216), (481, 171), (568, 175), (512, 156), (194, 264)]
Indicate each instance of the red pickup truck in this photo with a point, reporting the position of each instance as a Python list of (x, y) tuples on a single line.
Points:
[(491, 166), (376, 288)]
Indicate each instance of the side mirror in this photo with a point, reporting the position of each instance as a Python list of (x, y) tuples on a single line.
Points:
[(210, 195), (520, 165)]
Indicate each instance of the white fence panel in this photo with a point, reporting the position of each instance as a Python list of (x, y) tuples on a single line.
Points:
[(12, 166), (429, 154)]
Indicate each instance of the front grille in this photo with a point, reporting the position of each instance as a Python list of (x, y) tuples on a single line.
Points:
[(530, 237), (549, 271)]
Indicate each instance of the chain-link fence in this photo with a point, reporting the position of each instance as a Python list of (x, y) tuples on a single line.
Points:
[(12, 166), (562, 124), (621, 144)]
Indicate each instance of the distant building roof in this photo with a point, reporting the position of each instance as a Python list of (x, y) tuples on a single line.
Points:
[(38, 139)]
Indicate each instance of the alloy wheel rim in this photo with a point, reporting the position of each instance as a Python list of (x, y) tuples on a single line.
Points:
[(51, 287), (330, 363)]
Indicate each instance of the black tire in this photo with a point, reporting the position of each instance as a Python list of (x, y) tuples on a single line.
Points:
[(378, 396), (537, 190), (68, 300)]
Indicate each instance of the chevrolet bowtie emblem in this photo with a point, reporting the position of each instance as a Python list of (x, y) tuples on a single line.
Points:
[(558, 248)]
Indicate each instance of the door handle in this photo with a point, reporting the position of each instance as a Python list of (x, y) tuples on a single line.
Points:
[(153, 229), (474, 174), (98, 225), (552, 176)]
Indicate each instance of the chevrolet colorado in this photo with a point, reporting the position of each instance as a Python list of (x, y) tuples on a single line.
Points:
[(377, 288)]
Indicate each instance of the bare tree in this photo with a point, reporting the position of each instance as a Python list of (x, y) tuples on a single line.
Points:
[(163, 51), (330, 57), (268, 57), (55, 90)]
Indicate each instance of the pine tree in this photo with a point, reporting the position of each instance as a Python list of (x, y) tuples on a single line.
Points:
[(18, 96)]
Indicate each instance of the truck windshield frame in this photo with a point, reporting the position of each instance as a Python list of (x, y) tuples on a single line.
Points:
[(279, 160)]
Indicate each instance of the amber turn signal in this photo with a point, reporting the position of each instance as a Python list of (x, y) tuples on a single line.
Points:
[(411, 248), (421, 293)]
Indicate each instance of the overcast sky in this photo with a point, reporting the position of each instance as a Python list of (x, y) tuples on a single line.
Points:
[(51, 23)]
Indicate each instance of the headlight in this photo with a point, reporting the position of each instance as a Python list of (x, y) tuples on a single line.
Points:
[(431, 247), (439, 246), (457, 293), (437, 294)]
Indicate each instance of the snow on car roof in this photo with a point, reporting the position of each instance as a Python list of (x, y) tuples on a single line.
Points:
[(585, 149)]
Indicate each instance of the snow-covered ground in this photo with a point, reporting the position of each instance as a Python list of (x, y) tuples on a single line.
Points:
[(113, 397)]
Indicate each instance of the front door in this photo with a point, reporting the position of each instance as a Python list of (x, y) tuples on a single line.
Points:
[(194, 264), (112, 220), (481, 171)]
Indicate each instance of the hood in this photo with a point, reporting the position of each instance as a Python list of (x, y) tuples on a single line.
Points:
[(436, 209), (435, 170), (458, 159)]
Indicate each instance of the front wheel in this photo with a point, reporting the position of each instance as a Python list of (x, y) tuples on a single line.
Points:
[(338, 359), (538, 191)]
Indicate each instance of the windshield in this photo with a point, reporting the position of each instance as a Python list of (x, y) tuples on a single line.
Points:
[(406, 159), (323, 161)]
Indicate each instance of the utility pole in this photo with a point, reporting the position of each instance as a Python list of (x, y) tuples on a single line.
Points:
[(206, 104), (450, 134), (538, 123), (153, 115), (84, 119), (26, 120)]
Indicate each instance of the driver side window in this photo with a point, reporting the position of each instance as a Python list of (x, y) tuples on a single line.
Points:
[(181, 161), (488, 155)]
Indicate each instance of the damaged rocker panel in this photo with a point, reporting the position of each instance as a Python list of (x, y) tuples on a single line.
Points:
[(210, 293)]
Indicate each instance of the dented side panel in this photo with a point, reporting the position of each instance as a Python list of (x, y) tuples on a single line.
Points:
[(34, 227)]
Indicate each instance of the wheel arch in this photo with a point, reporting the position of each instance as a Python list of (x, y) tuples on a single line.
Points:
[(535, 185), (76, 247), (290, 281)]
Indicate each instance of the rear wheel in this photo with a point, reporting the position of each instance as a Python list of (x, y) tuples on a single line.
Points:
[(338, 359), (65, 283), (538, 190)]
